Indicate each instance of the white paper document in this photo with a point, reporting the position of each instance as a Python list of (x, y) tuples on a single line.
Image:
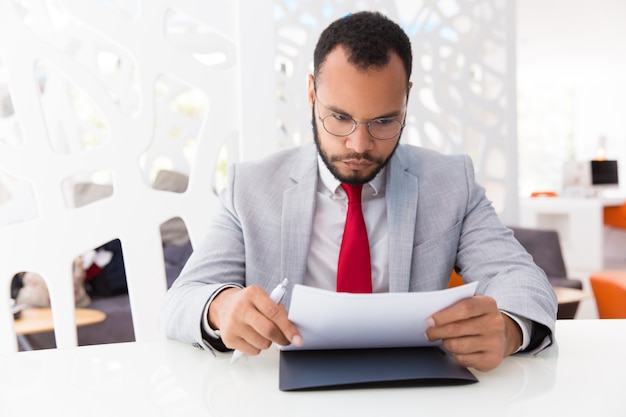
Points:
[(331, 320)]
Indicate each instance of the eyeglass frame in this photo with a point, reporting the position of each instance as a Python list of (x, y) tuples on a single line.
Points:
[(355, 122)]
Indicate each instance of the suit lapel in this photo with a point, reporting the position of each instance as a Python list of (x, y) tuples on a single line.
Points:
[(297, 217), (402, 198)]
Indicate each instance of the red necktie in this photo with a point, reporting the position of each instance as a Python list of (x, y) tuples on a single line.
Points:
[(354, 271)]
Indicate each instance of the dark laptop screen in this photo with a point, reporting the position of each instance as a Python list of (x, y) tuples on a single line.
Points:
[(604, 172)]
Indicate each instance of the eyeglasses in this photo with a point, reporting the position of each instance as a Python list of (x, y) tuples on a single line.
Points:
[(341, 125)]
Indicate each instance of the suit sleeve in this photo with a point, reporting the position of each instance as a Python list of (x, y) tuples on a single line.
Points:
[(489, 253)]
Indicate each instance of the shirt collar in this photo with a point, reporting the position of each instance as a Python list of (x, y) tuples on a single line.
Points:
[(332, 184)]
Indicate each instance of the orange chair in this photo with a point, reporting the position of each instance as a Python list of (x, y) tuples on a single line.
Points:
[(455, 280), (609, 290), (615, 216)]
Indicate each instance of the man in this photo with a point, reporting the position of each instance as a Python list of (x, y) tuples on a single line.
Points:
[(284, 216)]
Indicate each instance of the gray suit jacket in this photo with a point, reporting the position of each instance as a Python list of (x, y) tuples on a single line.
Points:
[(439, 219)]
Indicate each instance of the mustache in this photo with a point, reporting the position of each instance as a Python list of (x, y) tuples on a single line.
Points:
[(355, 156)]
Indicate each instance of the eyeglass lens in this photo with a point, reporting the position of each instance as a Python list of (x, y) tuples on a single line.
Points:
[(379, 128)]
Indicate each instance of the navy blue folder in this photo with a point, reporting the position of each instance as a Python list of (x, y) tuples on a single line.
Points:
[(366, 368)]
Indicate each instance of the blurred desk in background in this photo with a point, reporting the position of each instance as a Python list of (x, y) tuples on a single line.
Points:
[(579, 222), (39, 320), (565, 295)]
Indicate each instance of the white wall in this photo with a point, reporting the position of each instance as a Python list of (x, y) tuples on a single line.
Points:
[(571, 84)]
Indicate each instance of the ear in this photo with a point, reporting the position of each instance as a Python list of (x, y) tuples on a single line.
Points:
[(311, 87)]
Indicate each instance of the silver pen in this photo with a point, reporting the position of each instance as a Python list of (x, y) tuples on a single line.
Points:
[(276, 296)]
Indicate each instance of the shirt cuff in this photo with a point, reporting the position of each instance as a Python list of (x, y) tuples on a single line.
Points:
[(526, 325)]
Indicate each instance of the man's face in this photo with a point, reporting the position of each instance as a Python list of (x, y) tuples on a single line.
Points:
[(346, 91)]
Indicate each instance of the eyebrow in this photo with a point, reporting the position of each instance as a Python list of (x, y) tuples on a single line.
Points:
[(335, 109)]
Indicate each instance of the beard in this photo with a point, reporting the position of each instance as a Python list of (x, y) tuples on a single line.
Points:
[(355, 178)]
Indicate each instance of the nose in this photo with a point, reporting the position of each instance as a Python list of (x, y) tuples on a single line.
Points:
[(360, 140)]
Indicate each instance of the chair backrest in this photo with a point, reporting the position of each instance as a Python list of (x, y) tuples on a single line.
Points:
[(615, 216), (545, 248), (609, 290), (455, 280)]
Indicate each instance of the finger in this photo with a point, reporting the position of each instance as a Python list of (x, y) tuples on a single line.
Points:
[(482, 351), (474, 351), (244, 346), (461, 345), (462, 310), (266, 323), (242, 336), (276, 326), (458, 329)]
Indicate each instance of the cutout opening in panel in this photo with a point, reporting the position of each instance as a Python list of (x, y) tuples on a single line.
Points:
[(176, 247), (105, 282), (86, 188), (33, 320)]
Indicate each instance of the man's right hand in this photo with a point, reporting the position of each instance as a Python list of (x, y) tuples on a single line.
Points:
[(250, 321)]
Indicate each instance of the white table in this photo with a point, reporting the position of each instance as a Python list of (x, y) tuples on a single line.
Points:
[(579, 221), (582, 376)]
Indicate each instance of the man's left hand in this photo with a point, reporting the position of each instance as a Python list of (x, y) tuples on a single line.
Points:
[(475, 332)]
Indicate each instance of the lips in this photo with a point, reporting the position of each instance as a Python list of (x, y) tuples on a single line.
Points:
[(358, 165)]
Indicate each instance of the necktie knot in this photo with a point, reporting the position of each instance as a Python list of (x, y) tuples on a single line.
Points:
[(353, 192)]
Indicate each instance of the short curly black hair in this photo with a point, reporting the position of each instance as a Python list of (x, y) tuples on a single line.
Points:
[(368, 38)]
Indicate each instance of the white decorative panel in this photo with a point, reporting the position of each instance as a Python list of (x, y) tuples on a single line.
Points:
[(463, 96), (108, 94)]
